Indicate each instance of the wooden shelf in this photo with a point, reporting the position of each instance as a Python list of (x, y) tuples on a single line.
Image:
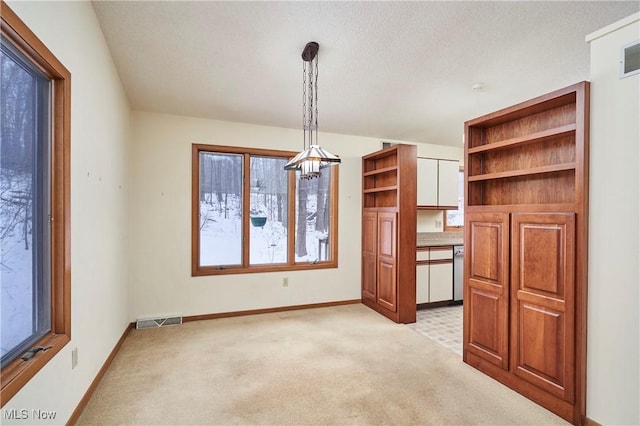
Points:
[(381, 189), (524, 172), (534, 137), (380, 171)]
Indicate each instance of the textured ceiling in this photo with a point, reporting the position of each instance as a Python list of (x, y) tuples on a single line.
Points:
[(389, 70)]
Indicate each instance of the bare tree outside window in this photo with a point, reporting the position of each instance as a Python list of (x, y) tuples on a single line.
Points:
[(24, 204), (251, 215), (220, 209), (312, 218), (268, 210)]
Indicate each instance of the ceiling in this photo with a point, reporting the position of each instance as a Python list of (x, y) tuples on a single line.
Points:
[(389, 70)]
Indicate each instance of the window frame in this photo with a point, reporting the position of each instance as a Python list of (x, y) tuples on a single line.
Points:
[(18, 372), (246, 267)]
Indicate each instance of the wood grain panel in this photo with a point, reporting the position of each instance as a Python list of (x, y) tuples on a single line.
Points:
[(547, 119), (387, 285), (486, 292), (485, 246), (543, 301), (486, 317), (552, 151), (541, 270), (386, 234), (386, 270), (541, 353), (544, 188)]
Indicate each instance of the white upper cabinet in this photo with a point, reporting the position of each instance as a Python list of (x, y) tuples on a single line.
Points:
[(437, 183), (427, 182), (448, 183)]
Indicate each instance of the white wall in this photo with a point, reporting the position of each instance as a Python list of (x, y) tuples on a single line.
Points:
[(613, 366), (161, 221), (99, 205)]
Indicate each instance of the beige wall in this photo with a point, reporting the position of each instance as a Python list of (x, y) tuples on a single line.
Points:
[(99, 205), (161, 277), (613, 366)]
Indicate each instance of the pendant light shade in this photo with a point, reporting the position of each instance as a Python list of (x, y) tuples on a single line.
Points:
[(313, 158)]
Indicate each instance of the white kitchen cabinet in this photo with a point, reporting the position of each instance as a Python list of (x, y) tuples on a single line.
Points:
[(437, 184), (448, 172), (422, 283), (440, 282), (427, 184), (434, 274)]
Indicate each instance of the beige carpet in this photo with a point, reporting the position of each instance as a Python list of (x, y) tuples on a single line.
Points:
[(332, 366)]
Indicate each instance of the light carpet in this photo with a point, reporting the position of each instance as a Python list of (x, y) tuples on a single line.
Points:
[(341, 365)]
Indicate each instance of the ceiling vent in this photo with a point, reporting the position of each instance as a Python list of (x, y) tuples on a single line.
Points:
[(630, 59), (158, 322)]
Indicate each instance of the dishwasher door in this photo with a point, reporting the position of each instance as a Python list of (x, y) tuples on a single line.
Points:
[(458, 276)]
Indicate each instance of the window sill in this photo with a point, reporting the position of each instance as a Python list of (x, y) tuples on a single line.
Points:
[(216, 270), (19, 372)]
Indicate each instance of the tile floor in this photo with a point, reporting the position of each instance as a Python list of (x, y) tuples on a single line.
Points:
[(442, 325)]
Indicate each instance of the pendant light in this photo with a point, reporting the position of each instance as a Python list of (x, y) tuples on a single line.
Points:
[(312, 158)]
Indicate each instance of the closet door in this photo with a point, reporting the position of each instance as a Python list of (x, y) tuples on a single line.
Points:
[(387, 289), (543, 301), (486, 293)]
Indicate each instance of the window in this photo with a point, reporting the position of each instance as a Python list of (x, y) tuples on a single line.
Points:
[(245, 195), (34, 209), (454, 219)]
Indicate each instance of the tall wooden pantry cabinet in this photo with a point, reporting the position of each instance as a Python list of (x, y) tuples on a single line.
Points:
[(525, 295), (389, 232)]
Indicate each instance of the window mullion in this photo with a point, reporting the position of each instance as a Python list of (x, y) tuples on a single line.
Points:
[(246, 205), (291, 225)]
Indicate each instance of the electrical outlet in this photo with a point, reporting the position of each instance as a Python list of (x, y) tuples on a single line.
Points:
[(438, 224), (74, 357), (285, 282)]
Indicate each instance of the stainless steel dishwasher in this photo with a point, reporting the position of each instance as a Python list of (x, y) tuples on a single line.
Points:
[(458, 275)]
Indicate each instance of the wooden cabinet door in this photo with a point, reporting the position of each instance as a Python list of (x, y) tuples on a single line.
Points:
[(543, 301), (387, 288), (448, 172), (369, 257), (427, 183), (486, 293)]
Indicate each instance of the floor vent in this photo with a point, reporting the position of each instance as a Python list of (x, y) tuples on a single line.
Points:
[(158, 322)]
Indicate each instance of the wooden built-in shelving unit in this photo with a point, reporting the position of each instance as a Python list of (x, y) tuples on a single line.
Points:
[(389, 232), (526, 210)]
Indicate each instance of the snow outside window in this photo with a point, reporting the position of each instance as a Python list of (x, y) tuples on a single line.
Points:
[(268, 209), (313, 218), (220, 209), (251, 215), (24, 207)]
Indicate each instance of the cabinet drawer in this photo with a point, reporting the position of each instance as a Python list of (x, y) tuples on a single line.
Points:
[(422, 254), (441, 253)]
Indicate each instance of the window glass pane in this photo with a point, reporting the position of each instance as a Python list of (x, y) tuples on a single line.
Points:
[(313, 220), (456, 217), (268, 210), (24, 208), (220, 209)]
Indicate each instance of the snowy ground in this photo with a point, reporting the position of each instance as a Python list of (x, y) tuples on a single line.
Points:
[(15, 282), (221, 237)]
